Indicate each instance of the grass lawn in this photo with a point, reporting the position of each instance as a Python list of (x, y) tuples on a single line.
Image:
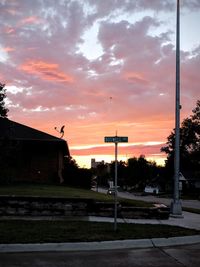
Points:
[(24, 231), (63, 191), (197, 211), (19, 231), (47, 191)]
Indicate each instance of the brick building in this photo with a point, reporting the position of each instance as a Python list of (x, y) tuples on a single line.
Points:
[(27, 154)]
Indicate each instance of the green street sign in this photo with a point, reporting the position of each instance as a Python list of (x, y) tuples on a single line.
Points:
[(110, 139), (122, 139), (116, 139)]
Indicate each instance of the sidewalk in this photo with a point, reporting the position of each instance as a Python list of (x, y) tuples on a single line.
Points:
[(189, 220)]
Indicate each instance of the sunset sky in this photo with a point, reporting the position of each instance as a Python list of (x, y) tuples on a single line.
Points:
[(97, 67)]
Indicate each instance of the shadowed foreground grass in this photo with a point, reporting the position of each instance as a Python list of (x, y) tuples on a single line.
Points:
[(19, 231)]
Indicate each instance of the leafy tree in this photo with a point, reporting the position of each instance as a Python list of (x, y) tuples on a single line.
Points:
[(189, 145), (3, 109), (7, 152), (141, 172), (136, 173), (75, 176)]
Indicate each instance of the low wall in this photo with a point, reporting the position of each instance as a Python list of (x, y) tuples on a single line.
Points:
[(46, 206)]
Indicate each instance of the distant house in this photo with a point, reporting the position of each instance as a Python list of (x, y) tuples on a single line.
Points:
[(27, 154), (154, 189), (190, 180)]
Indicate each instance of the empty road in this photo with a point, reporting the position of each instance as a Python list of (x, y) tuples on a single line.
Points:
[(179, 256)]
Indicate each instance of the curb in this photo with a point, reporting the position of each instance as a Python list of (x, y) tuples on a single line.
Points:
[(103, 245), (176, 241)]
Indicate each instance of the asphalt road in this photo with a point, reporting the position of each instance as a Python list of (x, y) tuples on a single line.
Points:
[(149, 198), (187, 256)]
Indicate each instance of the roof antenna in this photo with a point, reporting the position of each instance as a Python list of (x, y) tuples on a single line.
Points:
[(61, 131)]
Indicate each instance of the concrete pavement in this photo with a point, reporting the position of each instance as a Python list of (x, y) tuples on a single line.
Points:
[(189, 220)]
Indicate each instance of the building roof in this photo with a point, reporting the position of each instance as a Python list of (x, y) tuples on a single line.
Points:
[(15, 131)]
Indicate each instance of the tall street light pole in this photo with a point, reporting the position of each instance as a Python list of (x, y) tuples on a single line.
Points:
[(176, 209), (115, 210)]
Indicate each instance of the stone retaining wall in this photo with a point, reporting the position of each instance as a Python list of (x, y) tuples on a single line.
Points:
[(46, 206)]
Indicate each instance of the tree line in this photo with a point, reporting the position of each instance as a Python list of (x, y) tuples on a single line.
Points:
[(133, 174), (138, 172)]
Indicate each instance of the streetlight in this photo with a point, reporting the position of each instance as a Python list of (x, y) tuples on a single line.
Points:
[(176, 208)]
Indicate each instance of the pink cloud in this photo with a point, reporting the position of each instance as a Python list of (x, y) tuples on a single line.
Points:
[(135, 77), (9, 30), (30, 20), (129, 87), (47, 71), (150, 151), (8, 49)]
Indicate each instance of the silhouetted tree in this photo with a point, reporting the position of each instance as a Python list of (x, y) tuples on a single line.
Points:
[(136, 173), (141, 172), (3, 109), (8, 153), (101, 172), (136, 170), (121, 173), (189, 145), (75, 176)]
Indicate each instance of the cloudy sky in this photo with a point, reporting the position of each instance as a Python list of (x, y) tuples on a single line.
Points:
[(97, 67)]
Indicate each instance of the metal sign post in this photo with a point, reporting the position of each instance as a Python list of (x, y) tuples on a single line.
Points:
[(115, 139)]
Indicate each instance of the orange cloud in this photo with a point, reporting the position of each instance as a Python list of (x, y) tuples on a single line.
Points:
[(47, 71)]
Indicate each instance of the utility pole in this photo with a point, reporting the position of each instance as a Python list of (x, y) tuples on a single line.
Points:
[(176, 209), (115, 210)]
